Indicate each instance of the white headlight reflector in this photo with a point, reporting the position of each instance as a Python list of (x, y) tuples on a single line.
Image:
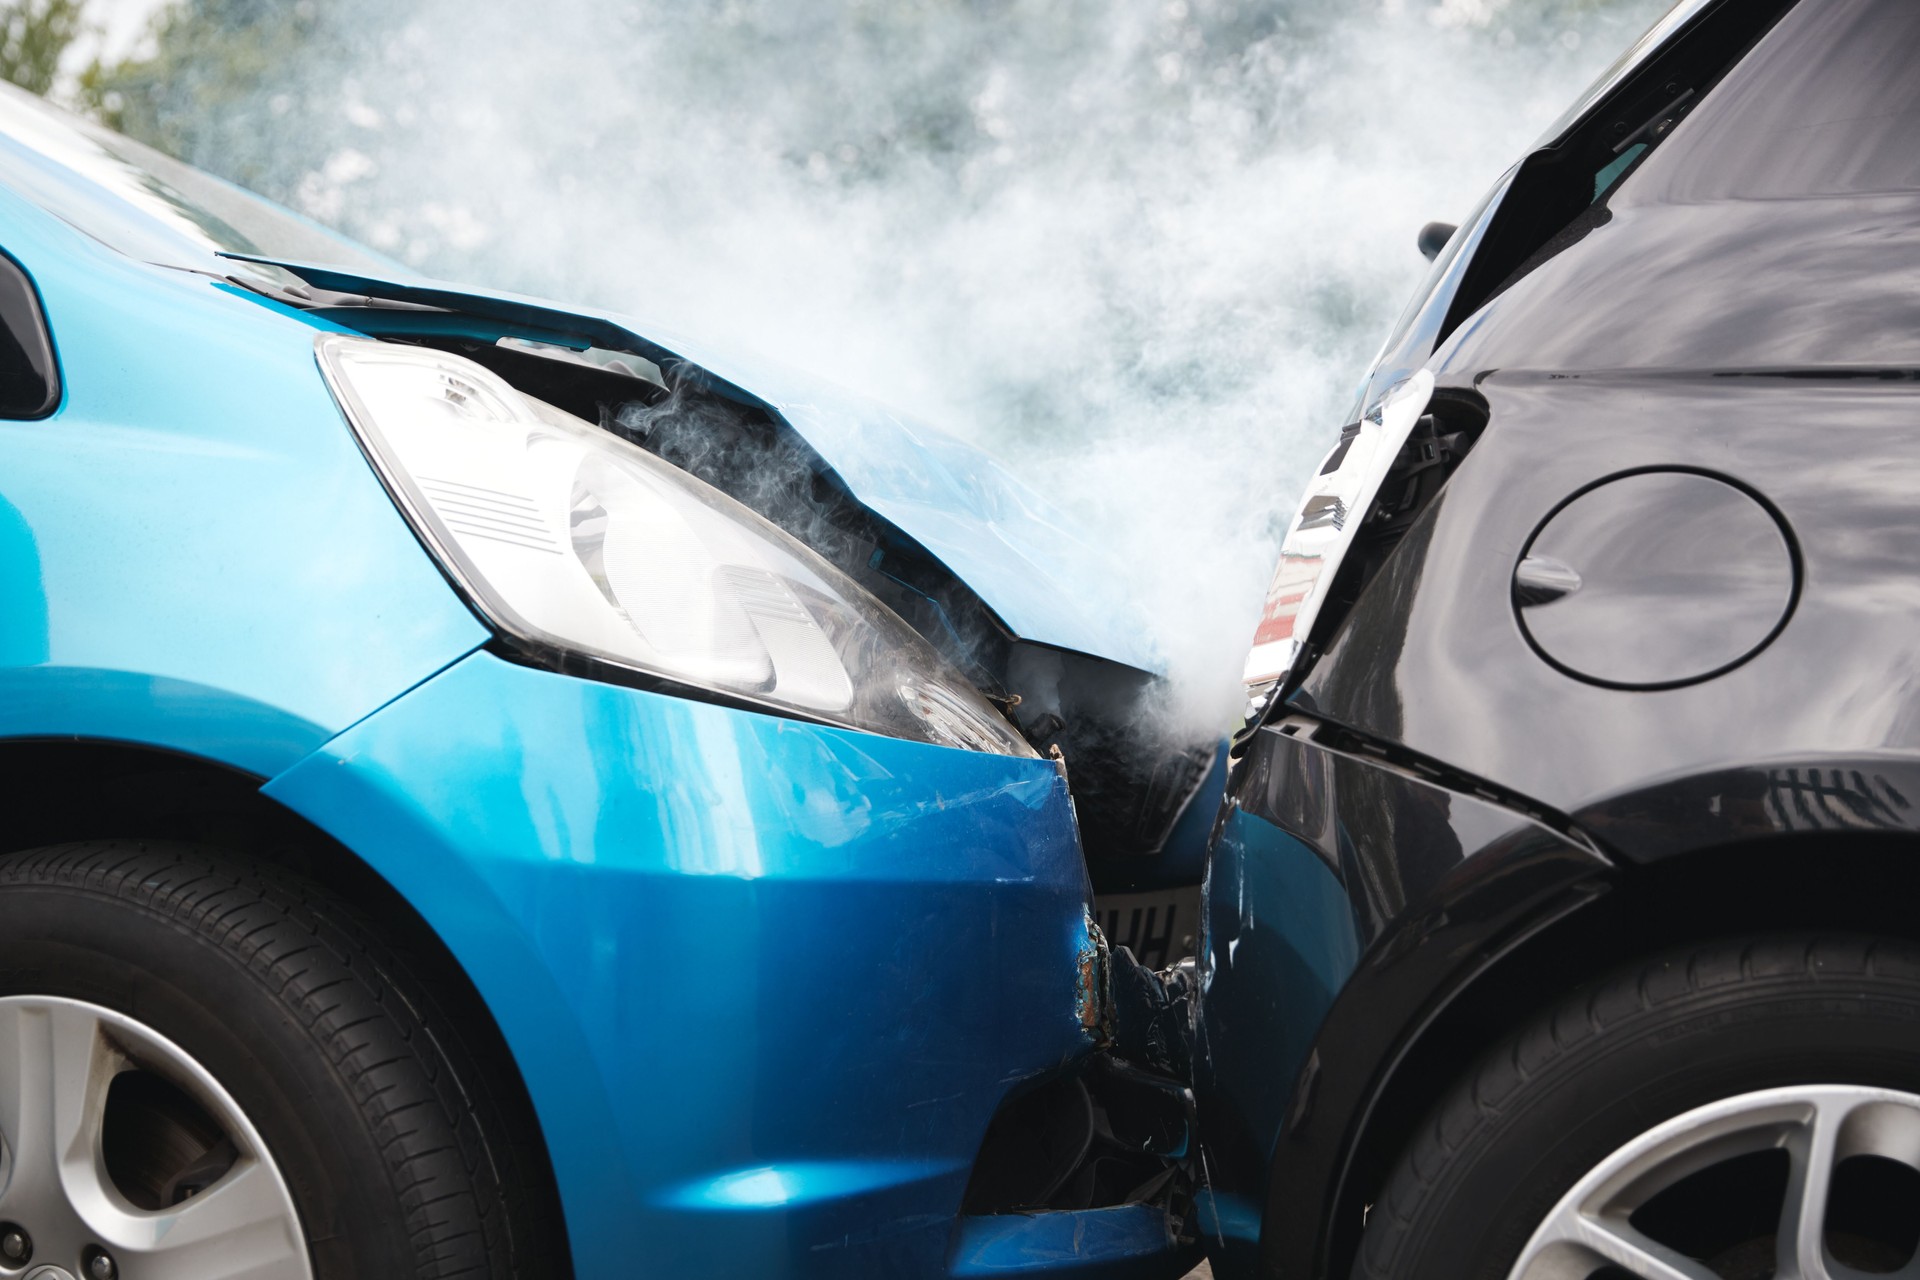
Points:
[(1331, 512), (570, 539)]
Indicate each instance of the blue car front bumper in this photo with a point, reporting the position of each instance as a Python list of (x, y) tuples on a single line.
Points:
[(767, 981)]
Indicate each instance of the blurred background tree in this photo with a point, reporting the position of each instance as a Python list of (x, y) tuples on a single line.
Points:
[(34, 34), (200, 87)]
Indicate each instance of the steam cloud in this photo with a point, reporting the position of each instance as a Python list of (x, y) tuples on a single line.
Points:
[(1141, 249)]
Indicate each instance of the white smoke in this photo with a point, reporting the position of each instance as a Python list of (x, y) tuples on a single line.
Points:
[(1140, 249)]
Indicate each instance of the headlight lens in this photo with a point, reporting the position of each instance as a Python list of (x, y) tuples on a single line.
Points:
[(568, 538), (1335, 505)]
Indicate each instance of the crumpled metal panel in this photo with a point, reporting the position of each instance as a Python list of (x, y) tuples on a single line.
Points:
[(1001, 538)]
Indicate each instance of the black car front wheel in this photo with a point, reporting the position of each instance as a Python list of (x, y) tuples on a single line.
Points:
[(211, 1068), (1733, 1111)]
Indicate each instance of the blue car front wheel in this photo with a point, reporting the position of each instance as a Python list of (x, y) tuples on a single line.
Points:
[(211, 1068)]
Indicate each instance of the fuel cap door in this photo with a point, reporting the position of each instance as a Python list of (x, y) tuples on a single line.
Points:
[(1656, 579)]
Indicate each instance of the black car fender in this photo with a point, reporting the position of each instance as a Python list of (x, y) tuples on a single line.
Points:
[(1823, 842)]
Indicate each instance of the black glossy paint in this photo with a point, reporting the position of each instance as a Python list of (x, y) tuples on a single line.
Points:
[(29, 374), (1656, 578), (1432, 657), (1722, 354), (1776, 227)]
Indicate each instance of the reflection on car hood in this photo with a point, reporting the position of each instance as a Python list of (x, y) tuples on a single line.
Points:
[(1005, 541)]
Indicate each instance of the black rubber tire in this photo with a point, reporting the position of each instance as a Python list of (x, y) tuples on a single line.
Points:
[(1616, 1058), (402, 1157)]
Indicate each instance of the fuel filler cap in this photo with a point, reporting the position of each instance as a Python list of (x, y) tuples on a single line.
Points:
[(1655, 579)]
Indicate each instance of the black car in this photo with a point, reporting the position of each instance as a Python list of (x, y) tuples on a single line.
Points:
[(1563, 919)]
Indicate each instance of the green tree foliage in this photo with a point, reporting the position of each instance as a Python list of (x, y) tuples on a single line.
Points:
[(33, 35)]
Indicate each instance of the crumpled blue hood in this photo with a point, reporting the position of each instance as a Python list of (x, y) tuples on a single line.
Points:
[(1014, 548), (1044, 580)]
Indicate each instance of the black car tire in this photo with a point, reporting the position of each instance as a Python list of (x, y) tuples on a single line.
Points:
[(1621, 1056), (402, 1157)]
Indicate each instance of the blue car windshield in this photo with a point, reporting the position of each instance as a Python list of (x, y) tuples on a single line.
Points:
[(149, 205)]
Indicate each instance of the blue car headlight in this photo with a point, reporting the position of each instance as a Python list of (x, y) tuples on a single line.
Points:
[(573, 541)]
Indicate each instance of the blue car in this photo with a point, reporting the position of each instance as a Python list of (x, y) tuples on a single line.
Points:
[(494, 789)]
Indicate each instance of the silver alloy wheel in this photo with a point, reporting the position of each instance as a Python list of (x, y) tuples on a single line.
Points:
[(1817, 1126), (58, 1058)]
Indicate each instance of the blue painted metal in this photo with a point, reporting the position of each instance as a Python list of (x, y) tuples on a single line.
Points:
[(1114, 1244), (1230, 1229), (193, 551), (1281, 938), (1279, 942), (1183, 861), (767, 982)]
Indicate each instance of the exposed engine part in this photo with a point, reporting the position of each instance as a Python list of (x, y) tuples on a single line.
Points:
[(1152, 1014), (1144, 1111), (619, 362), (748, 454), (1118, 1127), (1131, 784)]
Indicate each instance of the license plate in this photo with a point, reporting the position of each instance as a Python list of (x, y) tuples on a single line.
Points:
[(1160, 927)]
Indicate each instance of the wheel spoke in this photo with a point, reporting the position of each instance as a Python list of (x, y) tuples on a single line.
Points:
[(54, 1070), (241, 1228), (1800, 1246), (1815, 1125), (57, 1059), (1617, 1244)]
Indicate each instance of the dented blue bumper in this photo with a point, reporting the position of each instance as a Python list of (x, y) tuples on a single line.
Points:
[(767, 981)]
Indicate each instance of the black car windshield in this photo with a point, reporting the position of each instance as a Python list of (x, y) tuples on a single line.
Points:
[(149, 205), (1682, 12)]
